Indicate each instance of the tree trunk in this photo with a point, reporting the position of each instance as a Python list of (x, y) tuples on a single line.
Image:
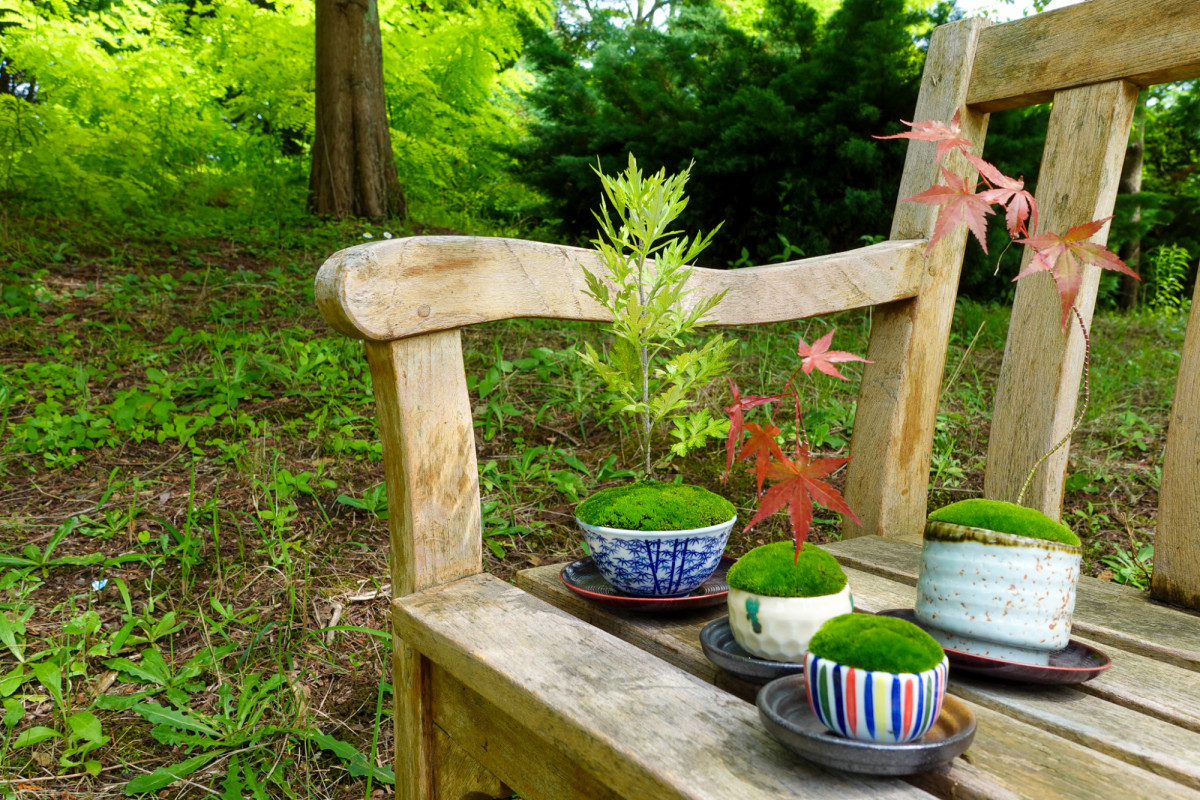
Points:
[(353, 170), (1131, 183)]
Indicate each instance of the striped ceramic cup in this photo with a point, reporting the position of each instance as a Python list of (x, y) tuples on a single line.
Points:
[(884, 707)]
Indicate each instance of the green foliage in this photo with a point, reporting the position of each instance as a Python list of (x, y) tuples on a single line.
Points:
[(778, 118), (879, 644), (781, 570), (997, 515), (645, 292), (1169, 266), (650, 506)]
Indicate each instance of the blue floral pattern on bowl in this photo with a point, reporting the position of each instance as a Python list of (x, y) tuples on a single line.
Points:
[(657, 563)]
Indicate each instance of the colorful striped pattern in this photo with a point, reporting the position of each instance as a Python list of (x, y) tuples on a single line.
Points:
[(874, 706)]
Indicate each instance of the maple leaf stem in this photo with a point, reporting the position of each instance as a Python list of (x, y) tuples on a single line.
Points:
[(1087, 352)]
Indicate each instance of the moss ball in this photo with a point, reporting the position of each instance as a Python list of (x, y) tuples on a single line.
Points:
[(996, 515), (773, 570), (651, 506), (879, 644)]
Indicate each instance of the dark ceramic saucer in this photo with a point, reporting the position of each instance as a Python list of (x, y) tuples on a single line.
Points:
[(584, 579), (716, 639), (1075, 663), (784, 710)]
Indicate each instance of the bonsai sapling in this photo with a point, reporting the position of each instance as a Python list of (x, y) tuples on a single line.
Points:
[(653, 376)]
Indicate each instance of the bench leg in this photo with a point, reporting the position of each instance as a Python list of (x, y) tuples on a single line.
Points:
[(429, 765)]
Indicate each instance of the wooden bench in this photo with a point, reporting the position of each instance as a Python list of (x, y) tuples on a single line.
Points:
[(530, 688)]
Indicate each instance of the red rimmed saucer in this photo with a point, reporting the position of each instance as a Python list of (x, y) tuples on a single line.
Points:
[(1075, 663), (584, 579)]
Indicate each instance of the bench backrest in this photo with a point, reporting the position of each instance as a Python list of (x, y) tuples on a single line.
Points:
[(408, 298)]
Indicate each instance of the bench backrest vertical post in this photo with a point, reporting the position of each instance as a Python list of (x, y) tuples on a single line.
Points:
[(1177, 543), (888, 479), (1039, 379), (424, 414)]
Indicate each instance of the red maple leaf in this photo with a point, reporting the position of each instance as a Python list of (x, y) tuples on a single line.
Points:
[(736, 423), (798, 486), (821, 357), (1010, 193), (1065, 256), (960, 204), (947, 136), (762, 447)]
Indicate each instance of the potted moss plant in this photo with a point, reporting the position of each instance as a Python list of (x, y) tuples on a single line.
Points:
[(998, 580), (879, 679), (654, 538), (778, 598)]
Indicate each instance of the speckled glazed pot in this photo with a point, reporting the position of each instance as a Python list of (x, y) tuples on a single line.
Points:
[(996, 594), (657, 563), (888, 707), (778, 628)]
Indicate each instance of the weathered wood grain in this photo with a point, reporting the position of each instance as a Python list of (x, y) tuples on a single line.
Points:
[(638, 725), (1104, 612), (1102, 725), (507, 748), (1025, 62), (1176, 576), (1039, 379), (403, 287), (888, 477), (433, 500), (459, 775)]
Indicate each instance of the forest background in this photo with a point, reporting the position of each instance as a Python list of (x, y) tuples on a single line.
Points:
[(193, 535)]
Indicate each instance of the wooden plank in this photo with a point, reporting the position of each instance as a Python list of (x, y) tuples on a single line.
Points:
[(509, 750), (456, 769), (638, 725), (433, 496), (888, 477), (1026, 61), (1176, 576), (987, 769), (403, 287), (1105, 612), (1039, 379)]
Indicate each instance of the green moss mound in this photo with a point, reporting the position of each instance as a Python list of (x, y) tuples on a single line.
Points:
[(880, 644), (773, 570), (651, 506), (996, 515)]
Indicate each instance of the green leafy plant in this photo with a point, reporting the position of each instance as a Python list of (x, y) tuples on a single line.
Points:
[(645, 293), (1168, 271)]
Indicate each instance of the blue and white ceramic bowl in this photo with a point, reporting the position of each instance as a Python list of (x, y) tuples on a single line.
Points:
[(657, 563), (887, 707)]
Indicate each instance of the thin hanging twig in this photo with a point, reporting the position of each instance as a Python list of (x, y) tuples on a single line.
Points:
[(1087, 354)]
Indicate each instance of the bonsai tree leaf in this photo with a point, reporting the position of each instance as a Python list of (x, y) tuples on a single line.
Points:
[(1064, 257), (961, 204), (819, 356), (737, 424), (947, 136), (798, 486), (762, 447)]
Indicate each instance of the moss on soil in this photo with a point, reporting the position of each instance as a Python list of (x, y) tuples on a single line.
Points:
[(996, 515), (773, 570), (879, 644), (651, 506)]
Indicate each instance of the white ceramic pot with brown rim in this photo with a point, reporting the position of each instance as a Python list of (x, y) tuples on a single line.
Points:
[(996, 594)]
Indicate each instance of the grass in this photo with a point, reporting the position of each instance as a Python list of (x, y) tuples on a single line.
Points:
[(193, 539)]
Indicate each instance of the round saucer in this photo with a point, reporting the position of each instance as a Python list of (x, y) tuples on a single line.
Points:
[(716, 639), (584, 579), (784, 710), (1075, 663)]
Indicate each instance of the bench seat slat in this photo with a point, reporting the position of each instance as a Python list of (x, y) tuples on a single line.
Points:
[(643, 728)]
